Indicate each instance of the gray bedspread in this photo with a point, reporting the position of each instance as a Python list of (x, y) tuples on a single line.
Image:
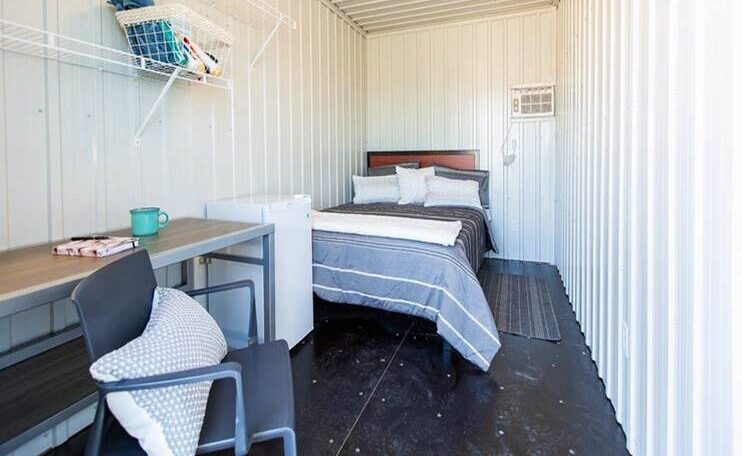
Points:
[(416, 278)]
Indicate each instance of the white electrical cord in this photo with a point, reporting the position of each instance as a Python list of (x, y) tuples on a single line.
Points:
[(507, 159)]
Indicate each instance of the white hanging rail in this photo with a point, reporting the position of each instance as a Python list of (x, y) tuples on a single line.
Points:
[(40, 43)]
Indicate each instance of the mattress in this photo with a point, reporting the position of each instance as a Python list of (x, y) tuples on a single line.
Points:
[(426, 280)]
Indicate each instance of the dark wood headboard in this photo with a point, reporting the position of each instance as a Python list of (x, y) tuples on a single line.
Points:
[(458, 159)]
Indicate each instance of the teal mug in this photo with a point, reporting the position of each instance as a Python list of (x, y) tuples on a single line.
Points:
[(146, 221)]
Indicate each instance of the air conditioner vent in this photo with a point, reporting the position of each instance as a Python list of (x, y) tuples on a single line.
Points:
[(535, 100)]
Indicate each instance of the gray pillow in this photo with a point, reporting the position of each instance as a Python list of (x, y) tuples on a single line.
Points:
[(180, 335), (481, 176), (389, 170)]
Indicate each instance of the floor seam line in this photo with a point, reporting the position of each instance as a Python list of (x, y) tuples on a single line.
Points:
[(373, 390)]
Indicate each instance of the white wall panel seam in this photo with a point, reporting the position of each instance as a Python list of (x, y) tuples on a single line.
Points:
[(698, 235), (290, 94), (652, 221), (277, 57), (737, 228), (53, 122), (675, 34), (612, 198), (4, 185), (603, 179)]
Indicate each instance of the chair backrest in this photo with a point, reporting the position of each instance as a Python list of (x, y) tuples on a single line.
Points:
[(114, 303)]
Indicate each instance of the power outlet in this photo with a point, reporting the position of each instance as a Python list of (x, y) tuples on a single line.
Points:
[(625, 339)]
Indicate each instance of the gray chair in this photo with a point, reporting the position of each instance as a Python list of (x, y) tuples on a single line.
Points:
[(252, 394)]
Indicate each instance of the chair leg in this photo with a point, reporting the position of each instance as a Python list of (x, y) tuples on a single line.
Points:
[(289, 443), (92, 448), (240, 448)]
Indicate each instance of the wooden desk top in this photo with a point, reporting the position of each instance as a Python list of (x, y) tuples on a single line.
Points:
[(30, 271)]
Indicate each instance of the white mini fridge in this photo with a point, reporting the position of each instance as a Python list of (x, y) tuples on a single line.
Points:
[(293, 264)]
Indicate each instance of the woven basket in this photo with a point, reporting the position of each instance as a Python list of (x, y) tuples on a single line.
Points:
[(176, 36)]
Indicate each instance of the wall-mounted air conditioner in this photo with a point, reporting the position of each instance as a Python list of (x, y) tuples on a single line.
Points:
[(532, 100)]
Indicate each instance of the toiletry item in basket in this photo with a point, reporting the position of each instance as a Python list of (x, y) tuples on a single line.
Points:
[(194, 63), (212, 67)]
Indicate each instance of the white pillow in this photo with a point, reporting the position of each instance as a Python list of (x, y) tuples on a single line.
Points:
[(412, 187), (452, 192), (180, 335), (375, 189)]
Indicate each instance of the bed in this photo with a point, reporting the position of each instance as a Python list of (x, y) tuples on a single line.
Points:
[(422, 279)]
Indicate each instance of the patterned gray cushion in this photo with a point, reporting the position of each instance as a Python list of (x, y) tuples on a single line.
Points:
[(390, 170), (180, 335)]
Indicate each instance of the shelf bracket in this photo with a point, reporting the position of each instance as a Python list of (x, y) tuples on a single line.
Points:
[(163, 92), (267, 41)]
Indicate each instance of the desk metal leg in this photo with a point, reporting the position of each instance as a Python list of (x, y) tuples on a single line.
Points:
[(268, 262), (269, 288)]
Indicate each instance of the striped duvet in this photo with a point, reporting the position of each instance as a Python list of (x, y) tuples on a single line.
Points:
[(416, 278)]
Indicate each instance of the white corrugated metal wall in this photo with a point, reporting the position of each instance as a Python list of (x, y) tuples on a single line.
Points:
[(69, 165), (447, 87), (644, 210), (737, 247)]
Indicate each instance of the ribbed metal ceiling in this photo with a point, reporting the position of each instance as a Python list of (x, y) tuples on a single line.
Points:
[(376, 16)]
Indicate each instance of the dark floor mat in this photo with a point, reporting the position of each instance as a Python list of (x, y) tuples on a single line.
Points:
[(521, 305)]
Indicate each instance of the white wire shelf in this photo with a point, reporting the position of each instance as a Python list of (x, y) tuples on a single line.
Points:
[(22, 39)]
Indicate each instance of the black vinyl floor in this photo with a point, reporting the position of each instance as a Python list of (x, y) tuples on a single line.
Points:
[(378, 383)]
